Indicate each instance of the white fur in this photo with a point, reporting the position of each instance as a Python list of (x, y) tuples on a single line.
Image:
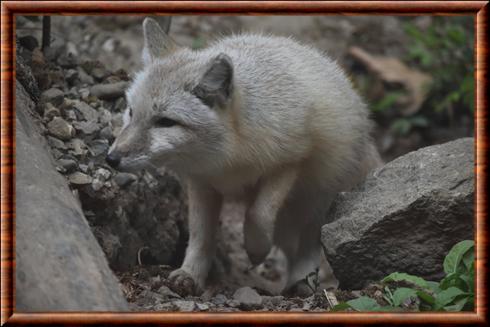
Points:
[(293, 134)]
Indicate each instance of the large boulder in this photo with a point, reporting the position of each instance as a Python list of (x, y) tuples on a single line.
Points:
[(59, 264), (405, 217)]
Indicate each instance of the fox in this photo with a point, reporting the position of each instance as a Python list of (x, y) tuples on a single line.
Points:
[(266, 120)]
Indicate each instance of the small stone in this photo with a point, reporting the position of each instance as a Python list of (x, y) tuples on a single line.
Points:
[(78, 146), (70, 115), (86, 127), (84, 77), (97, 184), (106, 133), (79, 178), (56, 143), (99, 146), (184, 306), (247, 297), (88, 113), (103, 174), (167, 292), (51, 111), (53, 95), (105, 117), (202, 306), (83, 167), (220, 299), (124, 179), (109, 91), (61, 128), (99, 73), (68, 164)]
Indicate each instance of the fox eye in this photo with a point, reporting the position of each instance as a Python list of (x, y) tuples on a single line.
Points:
[(165, 122)]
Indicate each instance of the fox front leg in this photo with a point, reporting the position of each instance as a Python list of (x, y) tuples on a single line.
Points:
[(204, 210), (262, 213)]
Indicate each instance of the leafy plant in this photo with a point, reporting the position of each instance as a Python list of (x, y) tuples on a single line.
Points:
[(455, 292), (445, 51)]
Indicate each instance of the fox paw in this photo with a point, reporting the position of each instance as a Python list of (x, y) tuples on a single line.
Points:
[(182, 283), (273, 273)]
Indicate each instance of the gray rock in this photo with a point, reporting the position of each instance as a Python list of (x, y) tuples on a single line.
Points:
[(109, 91), (184, 306), (78, 147), (51, 111), (88, 113), (405, 217), (60, 128), (69, 165), (53, 95), (247, 297), (202, 306), (59, 265), (56, 143), (98, 147), (124, 179), (86, 127), (167, 292), (79, 178)]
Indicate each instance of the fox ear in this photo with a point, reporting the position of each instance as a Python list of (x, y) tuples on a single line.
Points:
[(216, 85), (157, 42)]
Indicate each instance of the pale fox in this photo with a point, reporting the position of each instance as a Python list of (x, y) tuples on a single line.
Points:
[(263, 119)]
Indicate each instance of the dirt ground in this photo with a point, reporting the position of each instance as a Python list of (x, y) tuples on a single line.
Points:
[(116, 42)]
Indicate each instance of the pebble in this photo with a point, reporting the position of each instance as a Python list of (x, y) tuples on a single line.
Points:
[(184, 306), (220, 299), (51, 111), (97, 184), (56, 143), (61, 129), (247, 297), (103, 174), (202, 306), (79, 178), (106, 133), (53, 95), (86, 127), (78, 146), (84, 77), (88, 113), (124, 179), (109, 91), (167, 292), (99, 146), (68, 164)]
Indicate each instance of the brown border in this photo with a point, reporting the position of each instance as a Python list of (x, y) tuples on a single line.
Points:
[(9, 8)]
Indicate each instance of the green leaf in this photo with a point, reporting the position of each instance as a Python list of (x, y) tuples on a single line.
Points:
[(341, 307), (401, 294), (397, 277), (468, 259), (457, 306), (426, 297), (454, 257), (452, 280), (364, 303), (433, 286), (445, 297)]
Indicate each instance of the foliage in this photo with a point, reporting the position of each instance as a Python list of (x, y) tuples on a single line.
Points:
[(455, 292), (444, 50)]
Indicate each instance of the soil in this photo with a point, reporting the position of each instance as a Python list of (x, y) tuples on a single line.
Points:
[(139, 220)]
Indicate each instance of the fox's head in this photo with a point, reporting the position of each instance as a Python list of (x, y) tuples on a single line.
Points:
[(177, 108)]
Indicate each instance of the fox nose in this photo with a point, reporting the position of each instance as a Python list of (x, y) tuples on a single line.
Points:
[(113, 160)]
